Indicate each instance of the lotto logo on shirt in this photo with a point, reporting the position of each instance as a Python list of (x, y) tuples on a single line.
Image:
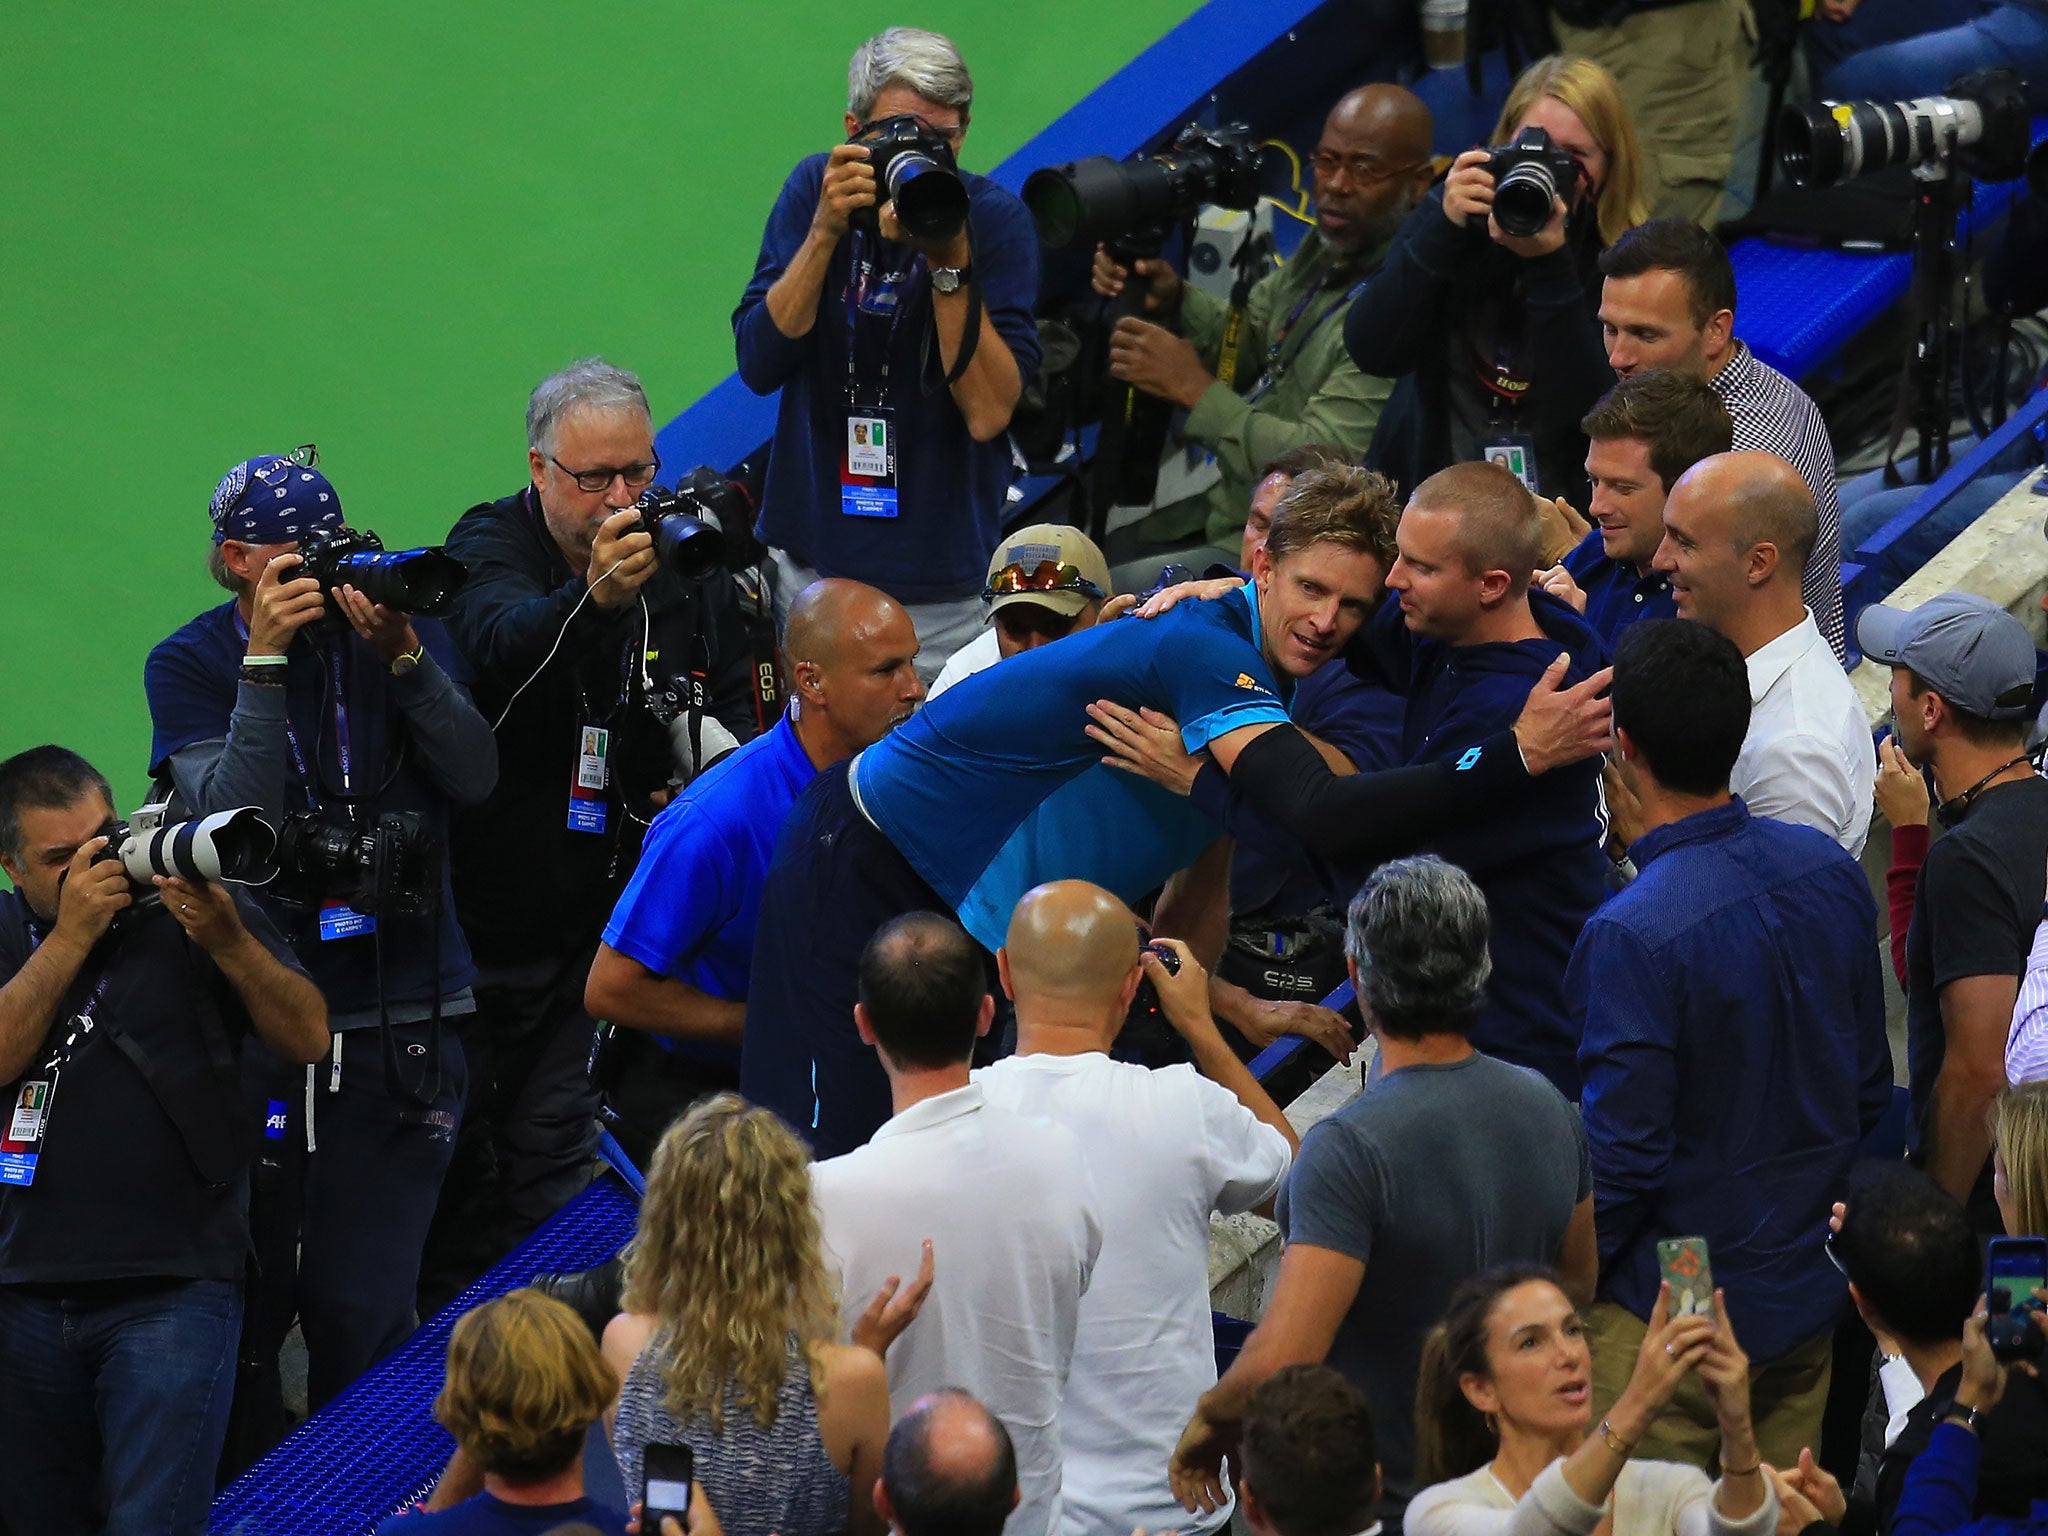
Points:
[(1246, 680)]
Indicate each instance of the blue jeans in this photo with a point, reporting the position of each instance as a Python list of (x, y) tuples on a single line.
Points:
[(2012, 34), (113, 1404)]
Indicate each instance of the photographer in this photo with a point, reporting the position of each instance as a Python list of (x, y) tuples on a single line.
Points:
[(1294, 385), (1500, 331), (565, 602), (868, 332), (267, 701), (122, 1226)]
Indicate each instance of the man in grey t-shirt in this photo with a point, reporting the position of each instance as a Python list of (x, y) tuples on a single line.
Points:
[(1450, 1163)]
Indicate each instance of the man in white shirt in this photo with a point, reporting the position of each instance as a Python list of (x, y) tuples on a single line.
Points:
[(1171, 1146), (1737, 531), (1007, 1202), (1044, 583)]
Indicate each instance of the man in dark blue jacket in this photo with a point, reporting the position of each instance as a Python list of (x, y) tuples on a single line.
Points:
[(1733, 1048), (899, 359)]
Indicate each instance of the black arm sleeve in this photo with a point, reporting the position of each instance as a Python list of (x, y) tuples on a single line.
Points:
[(1367, 817)]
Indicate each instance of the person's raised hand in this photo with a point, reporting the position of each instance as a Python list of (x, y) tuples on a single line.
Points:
[(894, 1308), (1165, 600), (1144, 742), (1557, 581), (849, 185), (1270, 1018), (281, 605), (1163, 287), (1151, 358), (205, 911), (1184, 993), (1468, 189), (1672, 1346), (1547, 239), (626, 553), (1196, 1471), (1724, 1373), (1901, 789), (1983, 1382), (1624, 810), (90, 897), (1562, 725), (1815, 1485), (1564, 528), (387, 629)]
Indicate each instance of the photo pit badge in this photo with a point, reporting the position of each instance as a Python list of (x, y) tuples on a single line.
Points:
[(867, 467)]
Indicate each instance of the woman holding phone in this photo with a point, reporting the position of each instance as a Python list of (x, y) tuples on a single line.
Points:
[(1504, 1405)]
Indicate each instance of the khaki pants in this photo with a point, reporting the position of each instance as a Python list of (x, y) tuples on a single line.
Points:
[(1682, 71), (1786, 1396)]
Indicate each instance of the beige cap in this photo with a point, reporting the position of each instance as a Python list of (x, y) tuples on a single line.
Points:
[(1048, 543)]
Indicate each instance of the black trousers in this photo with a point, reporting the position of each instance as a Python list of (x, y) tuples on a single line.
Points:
[(529, 1130)]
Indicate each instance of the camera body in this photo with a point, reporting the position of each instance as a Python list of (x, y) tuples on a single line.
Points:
[(409, 580), (1103, 199), (688, 523), (1529, 174), (388, 863), (914, 169)]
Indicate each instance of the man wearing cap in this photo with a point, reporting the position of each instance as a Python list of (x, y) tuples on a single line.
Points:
[(1962, 693), (295, 701), (1044, 583)]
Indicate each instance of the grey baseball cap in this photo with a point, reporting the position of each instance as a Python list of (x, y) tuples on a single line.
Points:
[(1966, 648)]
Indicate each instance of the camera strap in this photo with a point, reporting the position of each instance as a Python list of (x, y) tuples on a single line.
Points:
[(869, 290), (31, 1097), (1276, 364)]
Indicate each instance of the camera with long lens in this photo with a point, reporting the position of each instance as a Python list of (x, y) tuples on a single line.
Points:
[(385, 864), (688, 523), (409, 580), (1982, 125), (1530, 173), (226, 848), (914, 169), (1103, 199)]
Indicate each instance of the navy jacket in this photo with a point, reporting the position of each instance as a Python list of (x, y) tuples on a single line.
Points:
[(951, 489), (1734, 1055), (1617, 595)]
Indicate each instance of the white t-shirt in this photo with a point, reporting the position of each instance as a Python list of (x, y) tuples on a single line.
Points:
[(977, 655), (1167, 1148), (1011, 1210), (1808, 758)]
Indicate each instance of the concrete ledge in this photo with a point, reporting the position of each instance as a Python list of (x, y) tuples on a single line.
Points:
[(2003, 555)]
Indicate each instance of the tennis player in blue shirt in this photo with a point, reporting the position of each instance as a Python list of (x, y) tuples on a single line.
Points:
[(998, 786)]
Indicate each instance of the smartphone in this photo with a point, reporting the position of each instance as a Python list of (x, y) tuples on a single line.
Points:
[(1683, 1263), (666, 1472), (2014, 1269)]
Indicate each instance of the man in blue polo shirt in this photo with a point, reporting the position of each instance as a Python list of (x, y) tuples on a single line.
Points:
[(677, 953), (899, 358), (1644, 433), (1734, 1048), (1001, 784)]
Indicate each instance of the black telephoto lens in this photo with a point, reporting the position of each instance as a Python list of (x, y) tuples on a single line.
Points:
[(931, 202), (1524, 201)]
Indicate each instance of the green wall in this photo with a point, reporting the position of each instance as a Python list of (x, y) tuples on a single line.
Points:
[(228, 228)]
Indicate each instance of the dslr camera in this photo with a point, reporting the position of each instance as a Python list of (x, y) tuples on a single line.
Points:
[(688, 523), (1983, 124), (1529, 175), (914, 169), (226, 848), (386, 864), (1103, 199), (409, 580)]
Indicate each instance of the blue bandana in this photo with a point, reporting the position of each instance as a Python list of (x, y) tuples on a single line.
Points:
[(273, 500)]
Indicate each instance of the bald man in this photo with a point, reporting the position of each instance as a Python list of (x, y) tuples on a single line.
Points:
[(1168, 1148), (1294, 383), (1738, 528), (676, 955), (949, 1469)]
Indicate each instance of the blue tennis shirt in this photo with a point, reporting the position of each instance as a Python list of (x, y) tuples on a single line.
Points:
[(995, 786), (694, 901)]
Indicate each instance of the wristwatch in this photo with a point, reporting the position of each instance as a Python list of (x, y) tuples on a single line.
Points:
[(949, 279), (405, 664), (1971, 1419)]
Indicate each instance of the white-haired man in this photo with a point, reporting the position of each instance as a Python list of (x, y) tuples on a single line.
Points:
[(899, 352)]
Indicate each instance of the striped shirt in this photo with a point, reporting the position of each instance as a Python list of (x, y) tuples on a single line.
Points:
[(1775, 415), (2026, 1045)]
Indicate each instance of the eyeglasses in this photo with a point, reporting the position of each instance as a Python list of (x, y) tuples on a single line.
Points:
[(1045, 576), (1361, 169), (636, 476), (305, 456)]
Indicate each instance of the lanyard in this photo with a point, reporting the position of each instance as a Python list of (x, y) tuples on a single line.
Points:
[(858, 282), (343, 757), (1274, 367), (81, 1021)]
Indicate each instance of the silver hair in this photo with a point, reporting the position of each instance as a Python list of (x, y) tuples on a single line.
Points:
[(927, 62), (1417, 933), (588, 384), (217, 568)]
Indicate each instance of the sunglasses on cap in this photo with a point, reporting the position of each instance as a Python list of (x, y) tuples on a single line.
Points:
[(1045, 576)]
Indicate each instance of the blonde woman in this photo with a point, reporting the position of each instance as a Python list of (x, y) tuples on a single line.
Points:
[(525, 1383), (2019, 1158), (726, 1343), (1500, 331)]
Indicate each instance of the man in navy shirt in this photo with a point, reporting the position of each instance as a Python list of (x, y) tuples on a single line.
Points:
[(1643, 434), (679, 947), (876, 337), (1733, 1048), (1000, 785)]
